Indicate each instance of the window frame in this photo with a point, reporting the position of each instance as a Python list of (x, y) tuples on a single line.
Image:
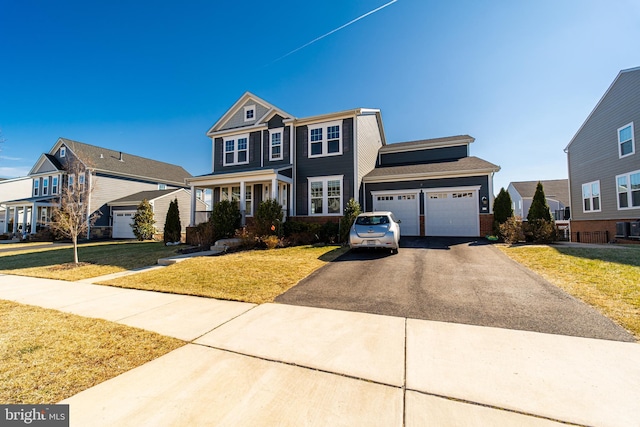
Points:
[(63, 151), (248, 108), (45, 186), (71, 178), (628, 192), (81, 182), (325, 195), (590, 198), (36, 187), (272, 133), (632, 139), (325, 141), (236, 151), (54, 185)]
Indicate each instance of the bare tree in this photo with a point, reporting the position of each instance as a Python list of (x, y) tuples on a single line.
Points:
[(71, 218)]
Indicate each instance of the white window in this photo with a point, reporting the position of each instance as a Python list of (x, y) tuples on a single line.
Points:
[(162, 186), (54, 185), (45, 186), (70, 182), (628, 190), (626, 141), (275, 144), (231, 194), (236, 150), (36, 187), (325, 139), (591, 197), (249, 113), (63, 151), (81, 183), (248, 200), (325, 195)]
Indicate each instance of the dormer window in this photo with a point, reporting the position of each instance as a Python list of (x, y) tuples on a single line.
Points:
[(63, 151), (236, 150), (249, 113), (162, 186), (625, 140)]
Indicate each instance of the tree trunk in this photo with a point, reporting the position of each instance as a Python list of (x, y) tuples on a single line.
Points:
[(75, 249)]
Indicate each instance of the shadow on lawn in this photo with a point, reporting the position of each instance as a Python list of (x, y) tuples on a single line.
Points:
[(618, 255)]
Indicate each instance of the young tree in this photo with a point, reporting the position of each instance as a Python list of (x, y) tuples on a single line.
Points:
[(172, 226), (502, 210), (226, 219), (540, 226), (539, 208), (268, 217), (71, 218), (350, 213), (143, 222)]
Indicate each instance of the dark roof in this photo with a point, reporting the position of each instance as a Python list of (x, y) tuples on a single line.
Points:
[(465, 164), (54, 161), (106, 160), (433, 141), (136, 198), (557, 189)]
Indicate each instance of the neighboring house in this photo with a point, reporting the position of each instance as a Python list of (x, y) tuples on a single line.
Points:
[(12, 189), (122, 210), (604, 165), (111, 175), (556, 192), (312, 166)]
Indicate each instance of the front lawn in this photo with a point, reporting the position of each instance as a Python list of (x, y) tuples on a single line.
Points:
[(253, 276), (98, 259), (606, 278), (47, 356)]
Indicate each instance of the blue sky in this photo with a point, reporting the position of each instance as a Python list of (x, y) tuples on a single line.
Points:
[(150, 78)]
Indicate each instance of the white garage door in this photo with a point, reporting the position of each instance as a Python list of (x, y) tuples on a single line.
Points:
[(405, 207), (122, 221), (452, 213)]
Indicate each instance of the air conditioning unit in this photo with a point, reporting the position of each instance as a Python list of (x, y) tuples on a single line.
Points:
[(634, 230), (622, 229)]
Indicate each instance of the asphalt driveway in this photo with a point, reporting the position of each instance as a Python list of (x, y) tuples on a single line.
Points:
[(450, 280)]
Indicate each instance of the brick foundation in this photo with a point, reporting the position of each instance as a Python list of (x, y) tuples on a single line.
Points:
[(316, 219), (598, 231), (486, 224)]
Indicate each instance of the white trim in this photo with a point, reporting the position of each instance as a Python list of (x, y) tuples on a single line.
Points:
[(324, 126), (452, 189), (272, 132), (582, 198), (248, 108), (63, 151), (629, 191), (633, 141), (36, 187), (325, 204), (425, 145), (235, 151), (384, 192), (356, 172), (430, 175)]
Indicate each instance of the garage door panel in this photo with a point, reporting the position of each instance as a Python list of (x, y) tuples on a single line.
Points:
[(452, 214), (405, 207), (122, 221)]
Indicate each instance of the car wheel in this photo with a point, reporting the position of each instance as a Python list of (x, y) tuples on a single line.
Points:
[(394, 251)]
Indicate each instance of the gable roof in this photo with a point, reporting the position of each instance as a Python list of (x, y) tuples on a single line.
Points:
[(556, 189), (446, 141), (109, 161), (621, 73), (149, 195), (463, 166), (46, 158), (246, 97)]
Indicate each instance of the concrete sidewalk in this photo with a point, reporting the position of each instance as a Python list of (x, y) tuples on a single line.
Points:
[(278, 364)]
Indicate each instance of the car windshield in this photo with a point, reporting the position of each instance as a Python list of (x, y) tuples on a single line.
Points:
[(372, 220)]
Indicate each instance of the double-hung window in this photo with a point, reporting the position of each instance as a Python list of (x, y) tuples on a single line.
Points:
[(81, 183), (54, 185), (325, 139), (628, 190), (236, 150), (45, 186), (275, 144), (325, 195), (70, 182), (626, 141), (36, 187), (591, 196)]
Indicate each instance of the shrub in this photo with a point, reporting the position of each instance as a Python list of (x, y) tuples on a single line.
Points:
[(511, 230), (502, 210), (329, 232), (302, 233), (203, 235), (539, 208), (268, 218), (226, 219), (350, 213), (270, 242), (172, 226), (540, 231), (143, 222)]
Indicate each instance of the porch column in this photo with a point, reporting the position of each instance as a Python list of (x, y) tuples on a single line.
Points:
[(24, 219), (6, 219), (243, 204), (15, 219), (34, 218), (192, 216), (290, 200), (274, 188)]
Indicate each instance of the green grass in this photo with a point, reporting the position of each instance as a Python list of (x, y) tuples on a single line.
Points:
[(606, 278), (98, 259), (254, 276), (47, 356)]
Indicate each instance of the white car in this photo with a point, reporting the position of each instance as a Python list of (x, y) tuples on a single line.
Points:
[(375, 230)]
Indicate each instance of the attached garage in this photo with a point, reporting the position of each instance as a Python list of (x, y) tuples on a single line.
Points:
[(405, 206), (122, 221), (452, 213)]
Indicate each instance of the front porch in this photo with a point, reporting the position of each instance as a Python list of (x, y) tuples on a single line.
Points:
[(27, 216), (248, 189)]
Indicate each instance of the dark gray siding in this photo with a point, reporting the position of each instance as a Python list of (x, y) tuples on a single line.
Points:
[(593, 154), (425, 184), (254, 155), (237, 120), (323, 166), (275, 122), (286, 151), (423, 156)]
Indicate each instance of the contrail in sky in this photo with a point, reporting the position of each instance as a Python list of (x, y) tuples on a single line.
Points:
[(335, 30)]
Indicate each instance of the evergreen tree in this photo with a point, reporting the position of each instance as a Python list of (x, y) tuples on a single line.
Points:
[(350, 213), (268, 218), (502, 209), (226, 219), (539, 208), (172, 226), (143, 222)]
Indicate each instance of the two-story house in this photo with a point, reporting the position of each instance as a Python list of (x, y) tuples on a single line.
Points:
[(604, 165), (110, 174), (313, 165)]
